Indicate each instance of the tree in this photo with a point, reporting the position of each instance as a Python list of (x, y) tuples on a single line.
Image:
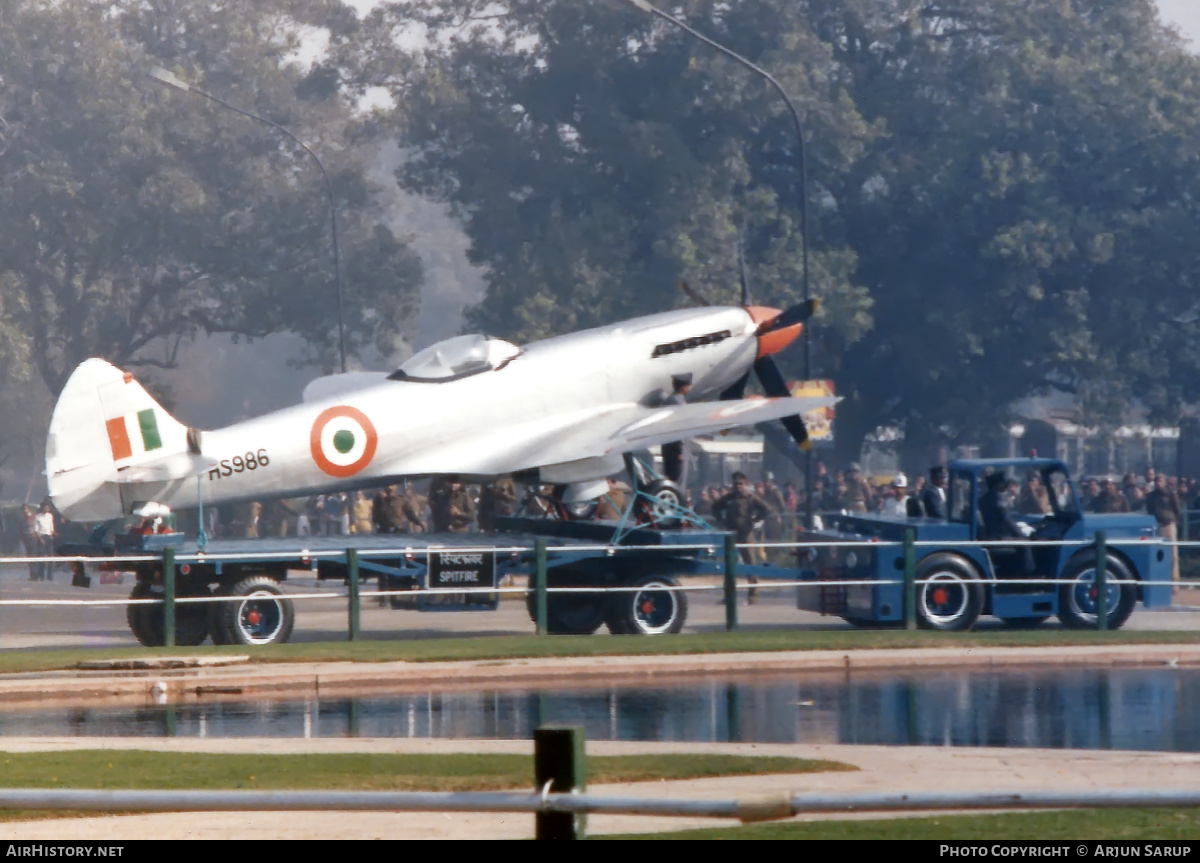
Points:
[(1002, 193), (137, 217)]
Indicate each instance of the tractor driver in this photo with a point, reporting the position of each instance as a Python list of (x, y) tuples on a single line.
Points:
[(997, 522)]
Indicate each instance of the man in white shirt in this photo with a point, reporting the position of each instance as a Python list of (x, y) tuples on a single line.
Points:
[(43, 529)]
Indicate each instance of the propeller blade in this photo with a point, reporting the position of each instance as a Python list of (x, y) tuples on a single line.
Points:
[(774, 385), (691, 294), (797, 314), (736, 390)]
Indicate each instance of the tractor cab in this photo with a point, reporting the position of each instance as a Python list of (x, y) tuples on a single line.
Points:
[(1040, 498)]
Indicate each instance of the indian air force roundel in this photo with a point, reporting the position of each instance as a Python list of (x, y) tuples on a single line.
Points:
[(343, 441)]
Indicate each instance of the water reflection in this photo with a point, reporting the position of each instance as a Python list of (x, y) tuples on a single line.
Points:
[(1076, 709)]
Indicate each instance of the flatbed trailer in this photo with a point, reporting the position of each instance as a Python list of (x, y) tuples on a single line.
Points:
[(633, 575)]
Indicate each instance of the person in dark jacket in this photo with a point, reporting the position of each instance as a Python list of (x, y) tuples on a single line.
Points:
[(674, 453), (998, 522), (933, 498)]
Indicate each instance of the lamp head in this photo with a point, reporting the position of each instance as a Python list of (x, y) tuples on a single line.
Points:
[(164, 77)]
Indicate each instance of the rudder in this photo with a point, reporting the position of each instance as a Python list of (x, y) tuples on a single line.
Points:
[(104, 424)]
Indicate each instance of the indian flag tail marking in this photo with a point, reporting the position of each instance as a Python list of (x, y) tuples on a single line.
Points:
[(118, 438), (151, 439)]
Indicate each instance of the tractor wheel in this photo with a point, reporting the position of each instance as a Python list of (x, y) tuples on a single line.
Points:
[(1078, 599), (949, 594)]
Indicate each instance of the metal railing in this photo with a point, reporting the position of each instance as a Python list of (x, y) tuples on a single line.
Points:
[(538, 590), (560, 801)]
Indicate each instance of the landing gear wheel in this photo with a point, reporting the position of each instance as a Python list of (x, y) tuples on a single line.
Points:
[(660, 508), (949, 595), (1078, 601), (1024, 622), (652, 609), (580, 510), (261, 618), (146, 621)]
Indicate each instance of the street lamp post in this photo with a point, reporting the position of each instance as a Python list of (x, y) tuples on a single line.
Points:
[(802, 165), (165, 77)]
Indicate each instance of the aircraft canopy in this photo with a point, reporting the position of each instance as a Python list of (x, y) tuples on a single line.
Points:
[(456, 358)]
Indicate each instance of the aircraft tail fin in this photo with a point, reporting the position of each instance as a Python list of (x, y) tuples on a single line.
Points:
[(105, 431)]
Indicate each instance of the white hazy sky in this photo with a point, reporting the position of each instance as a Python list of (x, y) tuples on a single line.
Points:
[(1184, 14)]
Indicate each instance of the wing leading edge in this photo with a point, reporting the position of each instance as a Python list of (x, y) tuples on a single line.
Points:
[(594, 434)]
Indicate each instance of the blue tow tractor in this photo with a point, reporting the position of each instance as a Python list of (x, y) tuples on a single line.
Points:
[(1051, 570)]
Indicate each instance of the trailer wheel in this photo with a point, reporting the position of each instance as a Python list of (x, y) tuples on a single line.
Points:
[(216, 628), (660, 504), (949, 595), (260, 618), (566, 614), (1078, 600), (141, 617), (146, 621), (652, 609)]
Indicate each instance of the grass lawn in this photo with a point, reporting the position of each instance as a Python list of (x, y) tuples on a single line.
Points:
[(1092, 825), (531, 646), (119, 769)]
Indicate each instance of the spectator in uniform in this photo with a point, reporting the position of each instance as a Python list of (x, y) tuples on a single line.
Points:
[(772, 496), (1163, 504), (740, 512), (452, 506), (405, 516), (361, 511), (496, 498), (381, 510), (1110, 499), (857, 495), (1034, 500), (612, 504)]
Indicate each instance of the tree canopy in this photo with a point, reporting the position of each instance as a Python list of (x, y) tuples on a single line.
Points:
[(1002, 194), (136, 216)]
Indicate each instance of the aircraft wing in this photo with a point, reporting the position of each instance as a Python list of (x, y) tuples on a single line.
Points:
[(676, 422), (593, 434)]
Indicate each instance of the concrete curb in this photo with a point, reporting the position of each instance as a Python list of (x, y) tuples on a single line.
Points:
[(305, 679)]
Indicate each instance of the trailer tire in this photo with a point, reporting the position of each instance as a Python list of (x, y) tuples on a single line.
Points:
[(1077, 605), (146, 621), (949, 595), (140, 617), (569, 614), (216, 629), (650, 610), (261, 618)]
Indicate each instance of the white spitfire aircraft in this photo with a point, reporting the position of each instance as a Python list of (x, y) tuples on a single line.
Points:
[(561, 411)]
